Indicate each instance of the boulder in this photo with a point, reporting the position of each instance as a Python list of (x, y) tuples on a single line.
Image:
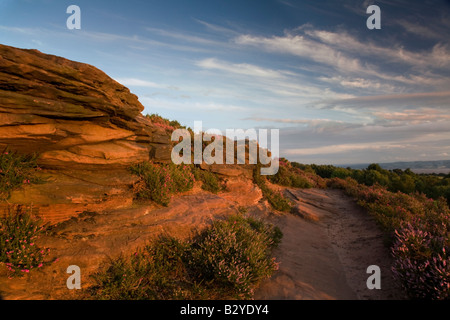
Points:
[(72, 114)]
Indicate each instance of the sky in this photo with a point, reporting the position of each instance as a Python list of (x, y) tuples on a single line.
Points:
[(339, 92)]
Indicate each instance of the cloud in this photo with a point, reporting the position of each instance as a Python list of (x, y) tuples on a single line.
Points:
[(133, 82), (359, 63), (414, 136), (302, 46), (138, 40), (27, 31), (431, 99), (411, 116), (184, 37), (288, 85), (242, 68), (287, 3), (359, 83), (344, 148), (437, 57), (191, 105), (295, 121), (38, 42), (422, 30), (217, 28), (312, 125)]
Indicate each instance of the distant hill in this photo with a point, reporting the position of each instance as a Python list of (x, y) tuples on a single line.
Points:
[(439, 166)]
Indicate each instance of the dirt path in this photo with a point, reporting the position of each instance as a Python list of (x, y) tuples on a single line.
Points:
[(326, 250)]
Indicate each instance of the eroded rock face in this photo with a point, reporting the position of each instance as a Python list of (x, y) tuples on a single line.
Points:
[(73, 114), (87, 129)]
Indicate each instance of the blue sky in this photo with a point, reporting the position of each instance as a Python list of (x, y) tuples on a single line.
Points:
[(339, 92)]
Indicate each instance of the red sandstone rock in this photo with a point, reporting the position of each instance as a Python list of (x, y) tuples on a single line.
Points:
[(72, 113)]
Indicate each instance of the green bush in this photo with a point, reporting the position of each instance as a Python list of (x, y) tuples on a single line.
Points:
[(278, 201), (289, 176), (224, 261), (19, 231), (210, 181), (234, 255), (275, 199), (160, 182), (155, 272), (15, 171)]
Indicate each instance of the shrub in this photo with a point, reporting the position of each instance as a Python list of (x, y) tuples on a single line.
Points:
[(421, 259), (226, 260), (275, 199), (278, 201), (290, 176), (235, 254), (210, 181), (15, 171), (19, 231), (159, 182), (164, 123), (155, 272)]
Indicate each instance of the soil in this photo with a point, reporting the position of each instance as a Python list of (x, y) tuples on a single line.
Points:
[(326, 250)]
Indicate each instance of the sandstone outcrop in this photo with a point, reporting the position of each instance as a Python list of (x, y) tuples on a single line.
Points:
[(87, 129), (72, 114)]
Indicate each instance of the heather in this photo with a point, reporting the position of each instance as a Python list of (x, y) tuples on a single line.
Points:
[(19, 233), (210, 181), (159, 121), (418, 230), (226, 260), (158, 182), (16, 170)]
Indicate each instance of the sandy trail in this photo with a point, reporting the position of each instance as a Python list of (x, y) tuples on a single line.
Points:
[(326, 255)]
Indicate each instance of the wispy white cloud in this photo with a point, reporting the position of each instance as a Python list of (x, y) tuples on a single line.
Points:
[(218, 29), (299, 45), (437, 57), (130, 40), (283, 84), (419, 29), (359, 83), (287, 3), (22, 30), (356, 62), (242, 68), (411, 116), (192, 106), (134, 82), (364, 143), (184, 37), (344, 148), (439, 99)]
